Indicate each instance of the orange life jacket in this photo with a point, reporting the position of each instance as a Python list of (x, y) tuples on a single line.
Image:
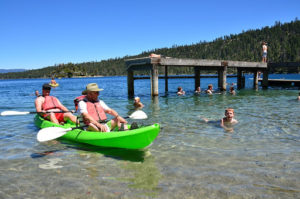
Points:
[(50, 103), (77, 100), (95, 110)]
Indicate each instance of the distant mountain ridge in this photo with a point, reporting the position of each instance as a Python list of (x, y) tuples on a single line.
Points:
[(11, 70)]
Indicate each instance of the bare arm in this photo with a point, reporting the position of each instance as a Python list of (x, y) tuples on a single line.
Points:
[(90, 119), (115, 114), (63, 108), (38, 104)]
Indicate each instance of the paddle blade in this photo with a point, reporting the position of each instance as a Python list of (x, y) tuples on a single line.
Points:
[(139, 115), (4, 113), (51, 133)]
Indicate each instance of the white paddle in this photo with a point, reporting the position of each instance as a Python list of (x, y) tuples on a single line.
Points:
[(6, 113), (51, 133)]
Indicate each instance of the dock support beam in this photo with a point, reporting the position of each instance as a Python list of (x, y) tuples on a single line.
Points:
[(222, 76), (197, 77), (265, 81), (240, 79), (130, 83), (154, 80), (166, 79), (255, 80)]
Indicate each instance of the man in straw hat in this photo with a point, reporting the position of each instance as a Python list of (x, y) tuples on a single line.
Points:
[(46, 103), (94, 111)]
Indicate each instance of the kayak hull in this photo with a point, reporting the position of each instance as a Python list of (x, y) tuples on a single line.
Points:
[(131, 139)]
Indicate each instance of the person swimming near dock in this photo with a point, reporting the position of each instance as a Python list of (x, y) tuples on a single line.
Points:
[(226, 122), (37, 93), (180, 91), (299, 96), (231, 89), (209, 89), (198, 90), (137, 103)]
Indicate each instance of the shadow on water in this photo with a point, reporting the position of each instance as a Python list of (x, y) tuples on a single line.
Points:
[(115, 153)]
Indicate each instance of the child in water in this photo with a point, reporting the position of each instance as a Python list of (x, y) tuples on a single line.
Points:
[(231, 90), (198, 90), (209, 89), (180, 91), (227, 122), (137, 103)]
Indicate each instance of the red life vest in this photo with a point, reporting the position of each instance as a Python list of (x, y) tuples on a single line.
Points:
[(50, 103), (95, 110), (77, 100)]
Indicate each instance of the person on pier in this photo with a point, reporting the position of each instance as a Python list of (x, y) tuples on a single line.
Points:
[(264, 52)]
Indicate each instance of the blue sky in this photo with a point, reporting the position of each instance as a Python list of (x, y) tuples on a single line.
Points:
[(40, 33)]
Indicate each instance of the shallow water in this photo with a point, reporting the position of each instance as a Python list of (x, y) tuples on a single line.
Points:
[(189, 158)]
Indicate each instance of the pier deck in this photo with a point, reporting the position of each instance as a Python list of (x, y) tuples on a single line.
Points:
[(153, 64)]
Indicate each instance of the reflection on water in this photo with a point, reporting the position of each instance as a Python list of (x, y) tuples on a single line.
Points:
[(189, 158)]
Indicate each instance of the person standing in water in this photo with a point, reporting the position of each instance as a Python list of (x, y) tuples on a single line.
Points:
[(180, 91), (137, 103)]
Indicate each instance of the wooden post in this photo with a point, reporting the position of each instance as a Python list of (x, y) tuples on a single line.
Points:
[(197, 77), (265, 81), (130, 83), (255, 80), (222, 76), (154, 80), (239, 78), (166, 79), (219, 78)]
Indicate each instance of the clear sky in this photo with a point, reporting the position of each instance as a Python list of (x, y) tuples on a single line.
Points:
[(40, 33)]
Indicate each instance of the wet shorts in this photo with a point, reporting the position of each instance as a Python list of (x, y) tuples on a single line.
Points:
[(59, 117)]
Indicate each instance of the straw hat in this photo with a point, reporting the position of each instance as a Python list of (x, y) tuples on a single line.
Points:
[(92, 87)]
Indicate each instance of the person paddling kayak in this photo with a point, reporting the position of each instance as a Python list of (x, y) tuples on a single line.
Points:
[(48, 103), (94, 111)]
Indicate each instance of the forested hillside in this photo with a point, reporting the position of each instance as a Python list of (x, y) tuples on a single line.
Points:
[(283, 46)]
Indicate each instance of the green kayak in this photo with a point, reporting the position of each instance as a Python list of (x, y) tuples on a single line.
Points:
[(132, 139)]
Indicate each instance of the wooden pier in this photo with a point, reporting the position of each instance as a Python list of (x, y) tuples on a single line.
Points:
[(153, 64)]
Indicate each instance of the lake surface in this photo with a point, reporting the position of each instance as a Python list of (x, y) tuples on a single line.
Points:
[(189, 158)]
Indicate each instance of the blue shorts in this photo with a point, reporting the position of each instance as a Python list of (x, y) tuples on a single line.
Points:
[(264, 54)]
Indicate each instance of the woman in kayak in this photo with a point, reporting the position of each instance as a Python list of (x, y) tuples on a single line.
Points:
[(50, 107), (94, 111)]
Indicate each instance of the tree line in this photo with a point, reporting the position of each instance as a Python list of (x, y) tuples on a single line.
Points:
[(283, 46)]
